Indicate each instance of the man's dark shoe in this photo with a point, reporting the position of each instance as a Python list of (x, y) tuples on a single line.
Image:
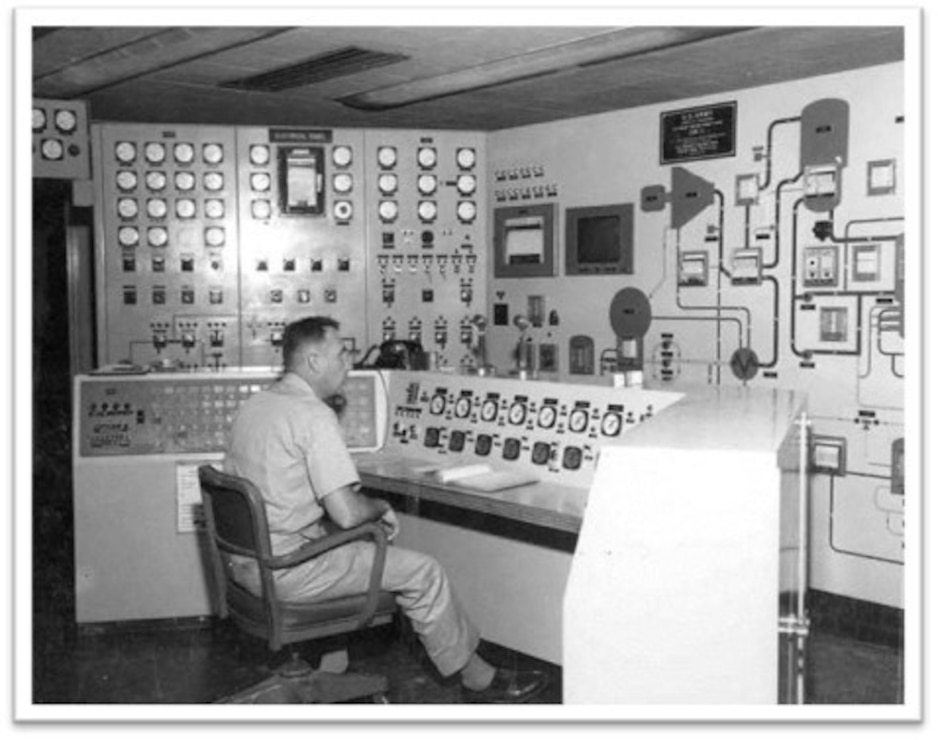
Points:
[(508, 687)]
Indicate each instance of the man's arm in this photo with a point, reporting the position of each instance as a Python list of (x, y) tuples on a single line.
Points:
[(348, 507)]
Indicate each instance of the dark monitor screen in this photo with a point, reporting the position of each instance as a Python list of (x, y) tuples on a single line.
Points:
[(598, 239)]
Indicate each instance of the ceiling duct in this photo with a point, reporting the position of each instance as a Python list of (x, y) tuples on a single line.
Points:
[(346, 61)]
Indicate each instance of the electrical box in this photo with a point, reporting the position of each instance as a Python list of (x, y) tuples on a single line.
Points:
[(61, 142), (524, 241), (897, 484), (867, 263), (747, 189), (819, 266), (828, 455), (833, 323), (881, 177), (693, 269), (746, 267)]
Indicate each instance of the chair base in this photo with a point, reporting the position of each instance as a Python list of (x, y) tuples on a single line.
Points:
[(317, 687)]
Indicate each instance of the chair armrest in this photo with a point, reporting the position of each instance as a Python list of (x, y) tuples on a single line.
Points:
[(369, 530)]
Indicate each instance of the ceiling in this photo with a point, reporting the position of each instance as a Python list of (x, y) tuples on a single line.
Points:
[(177, 74)]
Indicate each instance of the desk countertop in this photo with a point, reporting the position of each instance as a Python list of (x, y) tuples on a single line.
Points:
[(542, 504)]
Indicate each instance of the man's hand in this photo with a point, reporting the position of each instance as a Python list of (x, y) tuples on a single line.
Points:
[(389, 521)]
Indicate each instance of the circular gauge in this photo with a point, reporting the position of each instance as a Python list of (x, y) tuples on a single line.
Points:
[(39, 119), (125, 151), (465, 157), (155, 180), (157, 236), (128, 236), (185, 181), (342, 210), (213, 181), (260, 181), (127, 208), (66, 121), (489, 409), (52, 149), (426, 210), (260, 208), (466, 184), (611, 424), (156, 208), (517, 412), (342, 155), (426, 184), (426, 157), (183, 152), (259, 154), (215, 208), (126, 180), (185, 208), (387, 183), (437, 404), (215, 236), (213, 153), (547, 417), (579, 418), (342, 182), (387, 210), (466, 211), (154, 152), (463, 407), (387, 156)]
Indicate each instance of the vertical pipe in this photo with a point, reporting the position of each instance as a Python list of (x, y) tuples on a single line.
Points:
[(803, 423)]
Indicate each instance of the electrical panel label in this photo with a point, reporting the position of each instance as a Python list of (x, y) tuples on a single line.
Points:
[(706, 132)]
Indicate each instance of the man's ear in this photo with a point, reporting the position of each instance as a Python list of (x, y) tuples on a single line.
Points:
[(314, 360)]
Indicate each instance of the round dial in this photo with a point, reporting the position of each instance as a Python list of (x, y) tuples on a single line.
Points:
[(517, 412), (426, 157), (185, 208), (66, 121), (156, 208), (260, 208), (39, 119), (466, 211), (260, 181), (213, 153), (547, 417), (437, 404), (214, 236), (427, 210), (128, 236), (213, 181), (387, 156), (466, 184), (259, 154), (185, 181), (489, 409), (342, 210), (387, 183), (214, 208), (155, 180), (342, 156), (125, 151), (426, 184), (183, 152), (611, 423), (127, 208), (465, 157), (463, 407), (579, 418), (52, 149), (157, 236), (387, 210), (342, 182), (126, 180), (154, 152)]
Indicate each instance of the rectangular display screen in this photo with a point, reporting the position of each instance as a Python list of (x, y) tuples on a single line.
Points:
[(598, 240), (524, 242), (301, 180)]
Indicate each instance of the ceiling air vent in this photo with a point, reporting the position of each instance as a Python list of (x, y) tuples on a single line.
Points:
[(347, 61)]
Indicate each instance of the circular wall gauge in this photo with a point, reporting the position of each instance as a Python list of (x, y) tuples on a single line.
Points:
[(260, 181), (155, 180), (66, 121), (185, 180), (125, 151), (426, 210), (387, 156), (426, 157), (465, 157), (126, 180), (259, 154), (154, 152), (213, 153), (127, 208), (341, 155), (183, 153)]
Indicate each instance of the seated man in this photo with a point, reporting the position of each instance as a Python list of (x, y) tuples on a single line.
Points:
[(288, 442)]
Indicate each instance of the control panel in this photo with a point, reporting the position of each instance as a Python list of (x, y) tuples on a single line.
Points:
[(60, 139), (426, 226), (175, 413), (554, 430)]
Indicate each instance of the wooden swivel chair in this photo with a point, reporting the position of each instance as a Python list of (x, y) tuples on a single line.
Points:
[(237, 523)]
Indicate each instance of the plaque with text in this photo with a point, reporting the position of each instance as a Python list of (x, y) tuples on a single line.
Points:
[(707, 132)]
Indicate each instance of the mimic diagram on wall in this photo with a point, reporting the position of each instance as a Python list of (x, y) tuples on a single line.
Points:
[(768, 253)]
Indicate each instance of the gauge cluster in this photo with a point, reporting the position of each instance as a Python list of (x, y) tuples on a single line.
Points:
[(60, 139), (554, 429)]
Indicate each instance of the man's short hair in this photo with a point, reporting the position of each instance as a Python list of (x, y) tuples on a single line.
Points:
[(299, 334)]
